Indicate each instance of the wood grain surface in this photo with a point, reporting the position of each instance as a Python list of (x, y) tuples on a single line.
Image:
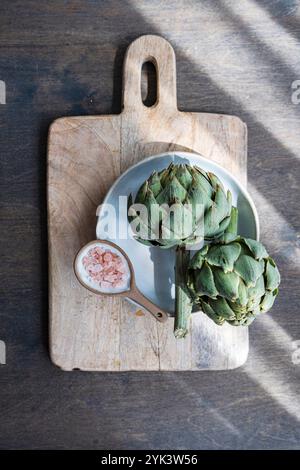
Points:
[(64, 59), (92, 333)]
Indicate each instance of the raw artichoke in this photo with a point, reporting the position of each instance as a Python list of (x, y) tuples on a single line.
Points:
[(188, 188), (233, 280)]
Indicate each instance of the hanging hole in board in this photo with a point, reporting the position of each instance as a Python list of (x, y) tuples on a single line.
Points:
[(149, 84)]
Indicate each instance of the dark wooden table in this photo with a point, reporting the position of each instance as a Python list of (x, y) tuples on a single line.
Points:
[(62, 58)]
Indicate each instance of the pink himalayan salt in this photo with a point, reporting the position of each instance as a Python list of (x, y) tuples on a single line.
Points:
[(105, 268)]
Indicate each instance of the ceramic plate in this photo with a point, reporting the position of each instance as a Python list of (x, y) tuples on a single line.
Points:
[(154, 267)]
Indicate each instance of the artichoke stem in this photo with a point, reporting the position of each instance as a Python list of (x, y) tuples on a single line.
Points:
[(183, 303)]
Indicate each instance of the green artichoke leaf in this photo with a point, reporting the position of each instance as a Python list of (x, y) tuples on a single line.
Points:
[(150, 201), (211, 222), (244, 248), (222, 227), (211, 314), (243, 321), (238, 309), (178, 222), (171, 192), (142, 230), (197, 261), (228, 237), (188, 223), (221, 308), (257, 291), (225, 223), (268, 301), (229, 201), (141, 194), (242, 294), (224, 256), (198, 199), (184, 176), (254, 304), (223, 203), (232, 227), (227, 284), (198, 258), (216, 213), (204, 282), (204, 250), (215, 181), (193, 239), (164, 175), (249, 269), (201, 181), (154, 184), (272, 275), (256, 248), (168, 237), (148, 218)]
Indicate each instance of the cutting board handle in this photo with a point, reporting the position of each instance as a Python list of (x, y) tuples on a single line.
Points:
[(155, 49)]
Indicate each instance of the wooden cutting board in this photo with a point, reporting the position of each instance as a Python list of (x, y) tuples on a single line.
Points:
[(85, 156)]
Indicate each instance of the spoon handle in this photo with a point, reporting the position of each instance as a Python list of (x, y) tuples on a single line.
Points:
[(145, 303)]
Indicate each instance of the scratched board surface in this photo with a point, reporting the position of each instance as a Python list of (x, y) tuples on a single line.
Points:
[(65, 59)]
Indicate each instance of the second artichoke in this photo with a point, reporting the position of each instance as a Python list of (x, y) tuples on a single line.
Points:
[(233, 280)]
